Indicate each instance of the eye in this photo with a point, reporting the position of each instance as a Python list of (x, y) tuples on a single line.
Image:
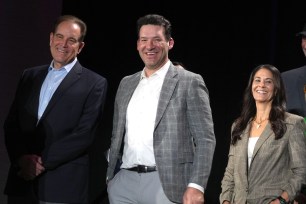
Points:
[(269, 82), (72, 41), (58, 36)]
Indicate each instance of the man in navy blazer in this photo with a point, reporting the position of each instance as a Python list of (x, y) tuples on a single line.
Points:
[(295, 82), (295, 85), (52, 122)]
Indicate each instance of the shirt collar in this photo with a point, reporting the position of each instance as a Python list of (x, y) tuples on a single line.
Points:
[(67, 67), (161, 72)]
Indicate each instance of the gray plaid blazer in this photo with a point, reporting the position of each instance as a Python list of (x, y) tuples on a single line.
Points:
[(184, 140)]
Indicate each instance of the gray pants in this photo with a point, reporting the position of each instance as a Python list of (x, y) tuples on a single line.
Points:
[(130, 187)]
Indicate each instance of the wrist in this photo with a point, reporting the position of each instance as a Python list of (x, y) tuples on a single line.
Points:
[(282, 200)]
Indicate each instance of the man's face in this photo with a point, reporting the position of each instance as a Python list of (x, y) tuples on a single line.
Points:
[(153, 47), (65, 44)]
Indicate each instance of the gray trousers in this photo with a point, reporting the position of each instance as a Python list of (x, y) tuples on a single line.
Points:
[(130, 187)]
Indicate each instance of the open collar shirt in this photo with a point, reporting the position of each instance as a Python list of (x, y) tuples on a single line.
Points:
[(140, 120), (50, 84)]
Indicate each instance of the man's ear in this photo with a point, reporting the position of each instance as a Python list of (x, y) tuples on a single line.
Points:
[(171, 43), (51, 38), (82, 44)]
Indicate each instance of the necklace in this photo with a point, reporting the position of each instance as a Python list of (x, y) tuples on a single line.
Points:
[(258, 124)]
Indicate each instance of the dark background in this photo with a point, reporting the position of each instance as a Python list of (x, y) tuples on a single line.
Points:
[(221, 40)]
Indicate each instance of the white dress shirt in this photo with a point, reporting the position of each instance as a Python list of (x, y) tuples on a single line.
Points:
[(140, 120)]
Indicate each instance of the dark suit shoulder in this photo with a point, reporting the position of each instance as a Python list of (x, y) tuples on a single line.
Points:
[(93, 74), (90, 74), (296, 71), (35, 72), (36, 68)]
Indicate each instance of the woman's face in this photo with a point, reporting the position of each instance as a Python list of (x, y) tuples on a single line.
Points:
[(263, 86)]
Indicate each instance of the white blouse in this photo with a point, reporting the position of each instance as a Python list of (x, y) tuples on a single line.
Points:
[(251, 146)]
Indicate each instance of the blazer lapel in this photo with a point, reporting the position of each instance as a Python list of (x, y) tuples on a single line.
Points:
[(263, 137), (33, 103), (73, 76), (168, 87), (244, 153), (132, 84)]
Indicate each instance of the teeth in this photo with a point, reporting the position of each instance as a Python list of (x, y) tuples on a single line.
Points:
[(60, 50)]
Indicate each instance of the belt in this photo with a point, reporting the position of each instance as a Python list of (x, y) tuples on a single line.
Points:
[(143, 169)]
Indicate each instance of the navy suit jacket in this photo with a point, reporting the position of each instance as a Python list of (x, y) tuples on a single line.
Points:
[(294, 81), (63, 136)]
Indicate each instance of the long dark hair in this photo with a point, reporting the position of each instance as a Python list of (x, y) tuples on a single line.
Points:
[(248, 112)]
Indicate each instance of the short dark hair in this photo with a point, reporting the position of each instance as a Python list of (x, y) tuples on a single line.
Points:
[(74, 19), (155, 19)]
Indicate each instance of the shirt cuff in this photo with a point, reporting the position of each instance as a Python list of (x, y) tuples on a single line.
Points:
[(193, 185)]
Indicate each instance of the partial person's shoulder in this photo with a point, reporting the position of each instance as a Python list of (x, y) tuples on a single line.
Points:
[(295, 71), (34, 71), (37, 68)]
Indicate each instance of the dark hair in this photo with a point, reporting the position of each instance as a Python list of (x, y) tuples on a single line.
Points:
[(155, 19), (248, 112), (74, 19)]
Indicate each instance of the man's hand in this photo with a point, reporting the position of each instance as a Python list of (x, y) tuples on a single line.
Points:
[(193, 196), (30, 166)]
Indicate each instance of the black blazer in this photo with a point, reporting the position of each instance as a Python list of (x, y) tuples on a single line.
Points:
[(63, 136), (294, 81)]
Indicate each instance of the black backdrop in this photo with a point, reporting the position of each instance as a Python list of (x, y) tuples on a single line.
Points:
[(221, 40)]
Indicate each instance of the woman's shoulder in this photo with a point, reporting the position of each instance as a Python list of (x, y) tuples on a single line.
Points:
[(291, 118)]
